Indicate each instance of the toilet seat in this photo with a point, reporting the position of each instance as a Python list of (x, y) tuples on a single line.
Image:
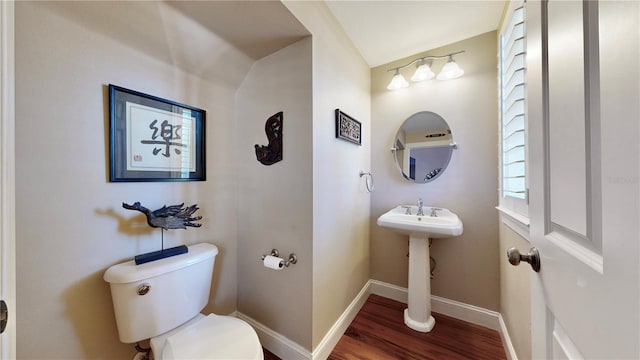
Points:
[(209, 337)]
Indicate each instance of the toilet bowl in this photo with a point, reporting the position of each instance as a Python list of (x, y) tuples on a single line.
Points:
[(161, 301), (209, 337)]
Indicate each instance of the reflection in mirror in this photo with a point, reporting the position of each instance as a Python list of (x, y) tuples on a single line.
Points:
[(423, 147)]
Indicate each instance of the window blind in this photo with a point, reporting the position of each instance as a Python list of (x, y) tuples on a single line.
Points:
[(512, 104)]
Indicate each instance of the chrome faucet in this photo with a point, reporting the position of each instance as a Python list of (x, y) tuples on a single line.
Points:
[(420, 212)]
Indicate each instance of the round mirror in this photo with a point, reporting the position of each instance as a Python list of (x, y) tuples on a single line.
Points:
[(423, 147)]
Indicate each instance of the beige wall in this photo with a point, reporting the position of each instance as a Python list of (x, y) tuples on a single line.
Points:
[(341, 206), (313, 202), (66, 56), (274, 206), (515, 293), (467, 265), (70, 223), (71, 227)]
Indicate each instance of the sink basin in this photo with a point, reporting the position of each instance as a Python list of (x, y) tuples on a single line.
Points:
[(403, 220), (445, 224)]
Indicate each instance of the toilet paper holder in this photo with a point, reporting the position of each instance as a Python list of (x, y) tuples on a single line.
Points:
[(291, 260)]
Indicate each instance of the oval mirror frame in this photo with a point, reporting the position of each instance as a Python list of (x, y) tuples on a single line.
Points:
[(422, 147)]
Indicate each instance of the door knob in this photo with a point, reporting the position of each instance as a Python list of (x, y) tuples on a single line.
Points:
[(4, 316), (533, 258)]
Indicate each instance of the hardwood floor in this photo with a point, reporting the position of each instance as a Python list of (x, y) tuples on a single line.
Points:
[(378, 332), (268, 355)]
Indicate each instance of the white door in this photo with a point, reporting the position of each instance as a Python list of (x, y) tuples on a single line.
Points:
[(583, 109), (7, 183)]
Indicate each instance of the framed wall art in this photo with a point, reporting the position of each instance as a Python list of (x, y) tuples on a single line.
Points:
[(154, 139), (348, 128)]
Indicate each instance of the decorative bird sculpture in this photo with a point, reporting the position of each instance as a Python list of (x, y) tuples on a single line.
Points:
[(168, 217)]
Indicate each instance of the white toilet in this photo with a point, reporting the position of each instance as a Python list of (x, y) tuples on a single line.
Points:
[(161, 300)]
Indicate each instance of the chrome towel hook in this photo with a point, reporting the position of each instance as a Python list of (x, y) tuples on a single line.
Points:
[(368, 180)]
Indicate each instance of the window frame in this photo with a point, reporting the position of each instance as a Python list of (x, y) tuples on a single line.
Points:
[(515, 208)]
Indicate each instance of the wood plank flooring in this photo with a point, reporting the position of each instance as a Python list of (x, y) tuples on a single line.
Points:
[(378, 333), (268, 355)]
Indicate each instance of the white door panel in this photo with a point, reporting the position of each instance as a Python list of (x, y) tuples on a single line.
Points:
[(566, 102), (563, 347), (584, 114)]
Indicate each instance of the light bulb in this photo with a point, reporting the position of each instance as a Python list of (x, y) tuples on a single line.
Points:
[(450, 70), (398, 81), (423, 72)]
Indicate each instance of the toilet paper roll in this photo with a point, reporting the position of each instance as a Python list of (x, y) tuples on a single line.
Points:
[(272, 262)]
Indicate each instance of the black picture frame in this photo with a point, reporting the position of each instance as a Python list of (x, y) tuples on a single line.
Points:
[(153, 139), (348, 128)]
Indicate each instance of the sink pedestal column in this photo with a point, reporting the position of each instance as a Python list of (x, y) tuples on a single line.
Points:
[(417, 315)]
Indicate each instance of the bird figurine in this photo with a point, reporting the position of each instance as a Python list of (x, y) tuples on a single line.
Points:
[(168, 217)]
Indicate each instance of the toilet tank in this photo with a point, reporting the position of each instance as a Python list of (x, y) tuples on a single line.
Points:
[(178, 289)]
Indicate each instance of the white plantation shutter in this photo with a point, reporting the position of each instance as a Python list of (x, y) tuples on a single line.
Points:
[(512, 107)]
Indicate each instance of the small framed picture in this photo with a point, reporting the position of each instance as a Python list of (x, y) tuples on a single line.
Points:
[(154, 139), (348, 128)]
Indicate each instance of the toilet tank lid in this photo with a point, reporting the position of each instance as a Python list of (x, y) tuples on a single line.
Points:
[(128, 272)]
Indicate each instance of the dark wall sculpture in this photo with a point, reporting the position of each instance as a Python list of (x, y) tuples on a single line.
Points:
[(272, 153), (168, 217)]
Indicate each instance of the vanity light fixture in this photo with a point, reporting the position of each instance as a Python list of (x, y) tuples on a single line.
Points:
[(451, 70), (398, 81), (423, 71)]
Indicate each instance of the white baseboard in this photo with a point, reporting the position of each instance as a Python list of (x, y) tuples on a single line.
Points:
[(288, 349), (277, 343), (506, 340), (324, 348), (469, 313), (389, 291)]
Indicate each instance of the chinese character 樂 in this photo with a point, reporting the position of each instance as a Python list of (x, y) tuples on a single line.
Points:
[(167, 132)]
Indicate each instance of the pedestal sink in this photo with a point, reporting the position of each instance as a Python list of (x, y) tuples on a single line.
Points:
[(435, 223)]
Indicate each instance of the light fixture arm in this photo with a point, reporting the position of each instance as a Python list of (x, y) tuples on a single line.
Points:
[(425, 58)]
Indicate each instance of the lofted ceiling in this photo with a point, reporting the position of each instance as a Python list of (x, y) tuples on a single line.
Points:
[(200, 37), (188, 33), (257, 28), (384, 31)]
